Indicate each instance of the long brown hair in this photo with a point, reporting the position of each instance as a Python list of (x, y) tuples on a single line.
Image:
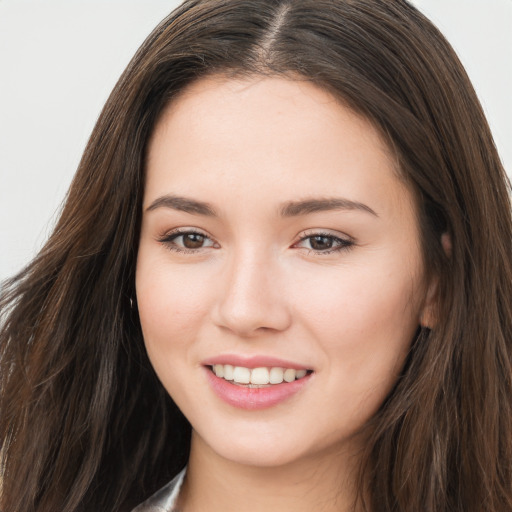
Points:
[(85, 424)]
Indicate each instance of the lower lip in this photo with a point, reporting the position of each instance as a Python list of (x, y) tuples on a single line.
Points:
[(247, 398)]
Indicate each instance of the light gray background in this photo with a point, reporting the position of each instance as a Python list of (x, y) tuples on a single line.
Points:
[(60, 59)]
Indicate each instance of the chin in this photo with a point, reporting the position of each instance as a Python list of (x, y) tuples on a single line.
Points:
[(259, 456), (252, 448), (265, 446)]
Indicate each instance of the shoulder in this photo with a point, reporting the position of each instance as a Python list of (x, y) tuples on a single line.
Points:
[(164, 499)]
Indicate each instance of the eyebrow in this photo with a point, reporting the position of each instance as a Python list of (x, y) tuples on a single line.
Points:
[(303, 207), (183, 204), (289, 209)]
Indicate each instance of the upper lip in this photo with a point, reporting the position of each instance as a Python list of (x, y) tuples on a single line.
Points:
[(256, 361)]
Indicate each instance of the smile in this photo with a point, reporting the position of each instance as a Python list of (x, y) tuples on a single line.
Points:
[(258, 387), (264, 376)]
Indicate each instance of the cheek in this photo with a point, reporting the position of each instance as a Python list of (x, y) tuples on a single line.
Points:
[(171, 306), (170, 310), (364, 329), (364, 318)]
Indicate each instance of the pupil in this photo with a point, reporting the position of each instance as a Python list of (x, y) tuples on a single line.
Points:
[(321, 243), (193, 240)]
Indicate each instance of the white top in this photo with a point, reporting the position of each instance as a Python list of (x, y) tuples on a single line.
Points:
[(165, 498)]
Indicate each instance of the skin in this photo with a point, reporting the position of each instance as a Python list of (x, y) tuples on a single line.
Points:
[(256, 284)]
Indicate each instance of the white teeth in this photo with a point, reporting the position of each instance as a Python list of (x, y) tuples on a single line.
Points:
[(276, 375), (289, 375), (228, 372), (258, 376), (242, 375)]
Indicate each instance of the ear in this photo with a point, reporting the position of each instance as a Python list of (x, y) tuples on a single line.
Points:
[(428, 315)]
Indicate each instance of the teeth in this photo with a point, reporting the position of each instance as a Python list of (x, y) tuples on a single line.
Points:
[(218, 369), (258, 376), (242, 375), (276, 375), (289, 375), (228, 371)]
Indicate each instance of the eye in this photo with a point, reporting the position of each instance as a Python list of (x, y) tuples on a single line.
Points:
[(324, 243), (187, 241)]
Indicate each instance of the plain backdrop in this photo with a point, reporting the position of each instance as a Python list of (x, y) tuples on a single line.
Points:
[(60, 59)]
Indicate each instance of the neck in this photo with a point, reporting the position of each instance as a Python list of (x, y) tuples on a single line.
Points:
[(324, 483)]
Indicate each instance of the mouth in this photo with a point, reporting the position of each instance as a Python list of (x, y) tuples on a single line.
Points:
[(257, 377)]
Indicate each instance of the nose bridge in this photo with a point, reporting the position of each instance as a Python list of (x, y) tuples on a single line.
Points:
[(250, 301)]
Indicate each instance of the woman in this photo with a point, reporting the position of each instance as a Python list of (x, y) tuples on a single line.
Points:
[(282, 273)]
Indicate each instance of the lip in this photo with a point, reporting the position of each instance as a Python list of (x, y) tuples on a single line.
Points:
[(251, 399), (257, 361)]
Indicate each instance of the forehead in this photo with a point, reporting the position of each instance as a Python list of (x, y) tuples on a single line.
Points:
[(207, 105), (264, 132)]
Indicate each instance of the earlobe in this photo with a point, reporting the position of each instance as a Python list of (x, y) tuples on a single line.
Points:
[(446, 242), (428, 315)]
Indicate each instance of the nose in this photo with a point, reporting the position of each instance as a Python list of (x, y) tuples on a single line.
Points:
[(252, 300)]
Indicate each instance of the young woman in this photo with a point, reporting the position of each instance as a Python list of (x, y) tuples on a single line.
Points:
[(282, 280)]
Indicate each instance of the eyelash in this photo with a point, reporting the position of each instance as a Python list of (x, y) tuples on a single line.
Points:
[(340, 244), (169, 240)]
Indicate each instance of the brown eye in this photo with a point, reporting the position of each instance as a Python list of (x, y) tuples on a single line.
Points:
[(193, 240), (324, 243), (321, 243), (187, 241)]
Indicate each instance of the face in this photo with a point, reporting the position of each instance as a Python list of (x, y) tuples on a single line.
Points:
[(279, 276)]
